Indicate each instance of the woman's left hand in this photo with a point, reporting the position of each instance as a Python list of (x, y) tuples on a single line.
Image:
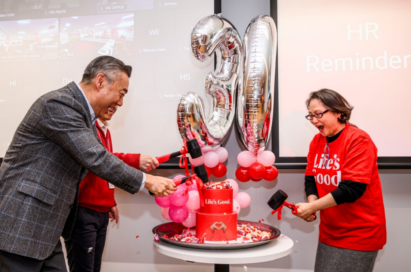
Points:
[(306, 211)]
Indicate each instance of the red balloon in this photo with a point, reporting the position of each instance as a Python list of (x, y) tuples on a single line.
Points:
[(208, 171), (271, 174), (257, 171), (219, 171), (255, 180), (242, 174)]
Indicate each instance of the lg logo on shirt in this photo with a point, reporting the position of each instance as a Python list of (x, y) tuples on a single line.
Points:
[(328, 170)]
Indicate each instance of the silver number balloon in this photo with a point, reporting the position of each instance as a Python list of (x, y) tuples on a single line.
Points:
[(256, 94), (213, 34)]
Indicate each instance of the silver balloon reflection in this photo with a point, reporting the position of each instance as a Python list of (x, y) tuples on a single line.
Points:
[(213, 34), (256, 95)]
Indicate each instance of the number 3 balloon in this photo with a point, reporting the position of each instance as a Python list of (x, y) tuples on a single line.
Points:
[(213, 34)]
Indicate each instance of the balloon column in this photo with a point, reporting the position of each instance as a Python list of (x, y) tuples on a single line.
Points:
[(256, 168), (181, 206), (213, 158)]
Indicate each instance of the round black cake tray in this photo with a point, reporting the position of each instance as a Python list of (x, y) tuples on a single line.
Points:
[(171, 228)]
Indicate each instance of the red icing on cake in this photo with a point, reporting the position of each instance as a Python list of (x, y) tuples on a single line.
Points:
[(216, 219), (217, 201)]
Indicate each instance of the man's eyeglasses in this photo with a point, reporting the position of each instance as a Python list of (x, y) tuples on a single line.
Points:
[(317, 115)]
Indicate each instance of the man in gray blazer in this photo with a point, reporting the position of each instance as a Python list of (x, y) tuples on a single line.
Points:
[(51, 151)]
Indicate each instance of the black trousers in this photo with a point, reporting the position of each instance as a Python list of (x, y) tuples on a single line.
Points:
[(85, 248), (10, 262)]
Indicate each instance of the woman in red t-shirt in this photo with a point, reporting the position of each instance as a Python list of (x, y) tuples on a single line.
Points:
[(342, 181)]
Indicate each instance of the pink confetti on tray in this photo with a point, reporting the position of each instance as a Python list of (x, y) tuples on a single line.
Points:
[(246, 233)]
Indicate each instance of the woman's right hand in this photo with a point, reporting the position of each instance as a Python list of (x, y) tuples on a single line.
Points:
[(311, 218), (306, 211)]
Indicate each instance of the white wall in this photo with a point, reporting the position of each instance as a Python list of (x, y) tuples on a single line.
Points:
[(139, 213)]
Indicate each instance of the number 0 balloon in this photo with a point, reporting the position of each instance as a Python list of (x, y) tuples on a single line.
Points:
[(256, 94)]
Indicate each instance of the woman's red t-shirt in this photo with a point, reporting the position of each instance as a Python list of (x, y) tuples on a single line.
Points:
[(359, 225)]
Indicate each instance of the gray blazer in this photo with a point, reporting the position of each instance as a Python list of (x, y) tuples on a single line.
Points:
[(52, 149)]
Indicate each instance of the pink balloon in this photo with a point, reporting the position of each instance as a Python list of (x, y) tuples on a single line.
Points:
[(197, 161), (206, 149), (183, 186), (193, 202), (163, 201), (179, 197), (178, 214), (216, 147), (233, 184), (222, 154), (245, 159), (266, 158), (192, 187), (211, 159), (236, 206), (178, 177), (191, 219), (164, 213), (243, 199)]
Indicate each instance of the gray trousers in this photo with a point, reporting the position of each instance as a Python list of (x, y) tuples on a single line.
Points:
[(10, 262), (335, 259)]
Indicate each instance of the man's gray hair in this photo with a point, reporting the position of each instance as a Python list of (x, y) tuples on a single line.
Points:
[(107, 65)]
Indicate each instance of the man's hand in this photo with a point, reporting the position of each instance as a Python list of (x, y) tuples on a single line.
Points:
[(160, 186), (148, 163), (113, 214)]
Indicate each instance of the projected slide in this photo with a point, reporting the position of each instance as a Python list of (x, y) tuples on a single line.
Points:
[(361, 49), (104, 6), (31, 5), (179, 5), (29, 39), (111, 34), (43, 48)]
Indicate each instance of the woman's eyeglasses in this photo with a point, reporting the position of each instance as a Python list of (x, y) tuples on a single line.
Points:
[(317, 115)]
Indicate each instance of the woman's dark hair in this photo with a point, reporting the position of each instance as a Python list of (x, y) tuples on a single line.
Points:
[(334, 102)]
